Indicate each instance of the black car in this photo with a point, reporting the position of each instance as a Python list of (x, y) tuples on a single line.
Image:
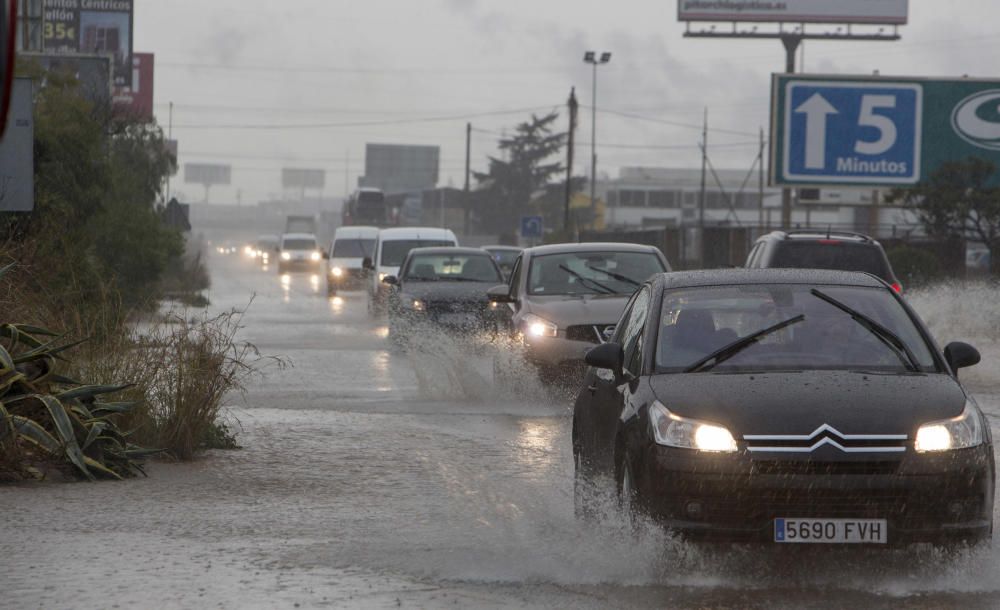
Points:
[(784, 406), (442, 288), (812, 249)]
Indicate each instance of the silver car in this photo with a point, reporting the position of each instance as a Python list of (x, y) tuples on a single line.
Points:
[(564, 299)]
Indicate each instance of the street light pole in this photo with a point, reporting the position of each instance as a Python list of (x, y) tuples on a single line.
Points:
[(591, 57)]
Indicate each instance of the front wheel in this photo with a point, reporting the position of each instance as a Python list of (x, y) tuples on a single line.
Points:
[(628, 505)]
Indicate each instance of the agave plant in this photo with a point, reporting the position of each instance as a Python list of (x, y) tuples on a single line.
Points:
[(41, 411)]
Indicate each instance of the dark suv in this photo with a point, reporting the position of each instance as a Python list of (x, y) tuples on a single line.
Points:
[(835, 250)]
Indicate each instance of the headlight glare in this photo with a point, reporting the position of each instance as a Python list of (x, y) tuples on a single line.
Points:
[(286, 256), (671, 430), (336, 272), (960, 432), (539, 327), (315, 256), (381, 276)]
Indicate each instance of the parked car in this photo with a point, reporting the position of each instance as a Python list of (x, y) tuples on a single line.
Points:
[(300, 252), (391, 248), (347, 252), (784, 406), (813, 249), (504, 257), (563, 299), (441, 289)]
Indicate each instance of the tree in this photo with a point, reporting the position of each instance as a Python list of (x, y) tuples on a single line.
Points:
[(958, 201), (513, 183)]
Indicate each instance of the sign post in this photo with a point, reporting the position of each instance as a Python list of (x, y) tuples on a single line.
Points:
[(532, 227)]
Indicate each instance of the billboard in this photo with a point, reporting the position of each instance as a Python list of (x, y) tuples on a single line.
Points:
[(136, 100), (878, 131), (880, 12), (292, 178), (93, 72), (401, 168), (208, 174), (17, 157), (91, 27)]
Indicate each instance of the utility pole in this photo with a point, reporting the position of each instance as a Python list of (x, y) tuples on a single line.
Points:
[(791, 43), (760, 185), (591, 57), (170, 136), (468, 163), (573, 108), (704, 169)]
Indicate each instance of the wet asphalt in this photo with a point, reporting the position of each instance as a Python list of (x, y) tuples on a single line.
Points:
[(373, 478)]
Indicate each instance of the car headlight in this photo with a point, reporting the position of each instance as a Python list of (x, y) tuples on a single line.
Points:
[(382, 276), (535, 326), (414, 304), (960, 432), (672, 430), (336, 272), (286, 256), (315, 256)]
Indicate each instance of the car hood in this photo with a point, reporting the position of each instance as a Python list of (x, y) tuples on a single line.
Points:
[(346, 263), (448, 291), (569, 311), (799, 403)]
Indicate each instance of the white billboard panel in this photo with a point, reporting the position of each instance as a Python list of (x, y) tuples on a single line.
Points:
[(206, 173), (881, 12)]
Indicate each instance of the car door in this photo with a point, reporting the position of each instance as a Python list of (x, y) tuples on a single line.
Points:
[(609, 394), (507, 311)]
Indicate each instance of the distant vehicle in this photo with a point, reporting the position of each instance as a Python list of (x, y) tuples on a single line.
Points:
[(268, 248), (391, 248), (348, 250), (504, 257), (815, 249), (300, 252), (300, 224), (784, 406), (564, 299), (412, 212), (441, 289), (367, 206)]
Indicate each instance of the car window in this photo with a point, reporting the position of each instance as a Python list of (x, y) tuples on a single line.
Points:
[(632, 333), (394, 251), (597, 272), (299, 244), (833, 254), (352, 248), (451, 267), (695, 322)]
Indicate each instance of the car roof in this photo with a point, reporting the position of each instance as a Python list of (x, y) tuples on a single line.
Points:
[(355, 231), (819, 234), (589, 247), (416, 233), (449, 250), (504, 248), (298, 236), (735, 277)]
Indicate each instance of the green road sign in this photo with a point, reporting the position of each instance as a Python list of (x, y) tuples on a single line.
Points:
[(878, 131)]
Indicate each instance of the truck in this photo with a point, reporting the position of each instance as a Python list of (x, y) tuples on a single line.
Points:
[(367, 206), (300, 224)]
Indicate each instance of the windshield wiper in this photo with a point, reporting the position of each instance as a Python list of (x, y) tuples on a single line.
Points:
[(725, 353), (458, 278), (883, 334), (600, 287), (616, 276)]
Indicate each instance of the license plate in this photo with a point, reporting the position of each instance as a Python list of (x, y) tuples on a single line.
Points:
[(831, 531)]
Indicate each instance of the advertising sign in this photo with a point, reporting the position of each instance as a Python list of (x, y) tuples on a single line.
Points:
[(878, 131), (136, 101), (881, 12), (8, 29), (208, 174), (92, 27), (292, 178), (17, 157), (92, 71), (400, 168)]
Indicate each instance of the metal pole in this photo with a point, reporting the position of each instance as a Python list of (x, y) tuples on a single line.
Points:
[(704, 167), (791, 44), (468, 163), (593, 144), (573, 106), (760, 185), (170, 136)]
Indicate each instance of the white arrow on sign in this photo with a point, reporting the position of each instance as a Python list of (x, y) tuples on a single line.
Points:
[(816, 109)]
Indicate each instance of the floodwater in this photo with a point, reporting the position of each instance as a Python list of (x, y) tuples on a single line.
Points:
[(370, 478)]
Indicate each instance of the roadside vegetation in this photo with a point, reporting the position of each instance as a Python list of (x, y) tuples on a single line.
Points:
[(84, 277)]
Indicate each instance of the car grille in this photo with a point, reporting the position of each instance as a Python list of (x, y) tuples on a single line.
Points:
[(589, 333), (810, 467), (439, 307)]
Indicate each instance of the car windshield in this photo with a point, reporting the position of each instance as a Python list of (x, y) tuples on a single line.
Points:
[(583, 273), (505, 258), (299, 244), (447, 267), (352, 248), (695, 322), (835, 255), (395, 251)]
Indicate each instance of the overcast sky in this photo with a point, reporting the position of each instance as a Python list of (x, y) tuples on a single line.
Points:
[(336, 69)]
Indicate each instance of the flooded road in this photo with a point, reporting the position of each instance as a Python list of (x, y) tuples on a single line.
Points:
[(371, 478)]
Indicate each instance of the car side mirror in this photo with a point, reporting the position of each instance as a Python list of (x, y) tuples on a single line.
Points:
[(392, 280), (367, 264), (608, 356), (961, 355), (500, 294)]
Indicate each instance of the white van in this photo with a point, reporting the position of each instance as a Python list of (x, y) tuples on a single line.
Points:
[(391, 248), (299, 252), (348, 250)]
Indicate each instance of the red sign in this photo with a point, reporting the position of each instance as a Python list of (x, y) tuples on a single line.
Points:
[(136, 102)]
